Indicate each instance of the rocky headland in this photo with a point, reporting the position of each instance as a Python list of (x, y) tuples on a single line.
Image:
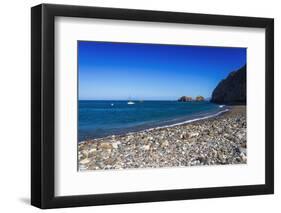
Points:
[(232, 90)]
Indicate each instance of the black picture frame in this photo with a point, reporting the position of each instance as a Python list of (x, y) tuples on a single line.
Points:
[(43, 117)]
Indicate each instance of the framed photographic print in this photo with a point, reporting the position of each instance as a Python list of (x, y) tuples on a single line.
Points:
[(140, 106)]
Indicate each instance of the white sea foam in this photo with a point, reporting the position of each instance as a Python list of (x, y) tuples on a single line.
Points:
[(189, 121)]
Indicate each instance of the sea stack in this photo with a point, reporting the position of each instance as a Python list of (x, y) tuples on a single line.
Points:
[(232, 90), (185, 99), (200, 98)]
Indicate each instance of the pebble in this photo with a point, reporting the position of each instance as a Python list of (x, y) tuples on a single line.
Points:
[(116, 144), (146, 147), (85, 161)]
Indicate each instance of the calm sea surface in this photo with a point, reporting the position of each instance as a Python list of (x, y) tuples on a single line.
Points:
[(102, 118)]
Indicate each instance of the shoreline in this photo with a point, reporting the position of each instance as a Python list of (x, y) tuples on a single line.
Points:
[(166, 126), (212, 140)]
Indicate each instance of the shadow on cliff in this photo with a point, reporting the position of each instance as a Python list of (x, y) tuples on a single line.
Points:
[(232, 90)]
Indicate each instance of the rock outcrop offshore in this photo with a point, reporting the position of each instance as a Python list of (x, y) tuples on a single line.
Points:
[(232, 90), (188, 98), (200, 98), (185, 99)]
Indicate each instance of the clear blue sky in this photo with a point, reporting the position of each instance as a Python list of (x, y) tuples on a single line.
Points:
[(117, 71)]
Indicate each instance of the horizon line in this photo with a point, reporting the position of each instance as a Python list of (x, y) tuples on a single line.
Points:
[(207, 99)]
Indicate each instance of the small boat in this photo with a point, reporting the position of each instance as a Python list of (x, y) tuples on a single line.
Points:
[(111, 104), (131, 102)]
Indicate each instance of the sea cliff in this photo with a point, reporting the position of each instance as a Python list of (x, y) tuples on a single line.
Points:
[(232, 90)]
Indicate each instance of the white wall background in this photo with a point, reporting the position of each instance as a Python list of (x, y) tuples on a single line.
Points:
[(15, 105)]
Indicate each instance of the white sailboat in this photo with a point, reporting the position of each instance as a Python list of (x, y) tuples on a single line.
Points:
[(130, 102)]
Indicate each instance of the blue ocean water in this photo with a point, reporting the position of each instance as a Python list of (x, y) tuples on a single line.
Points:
[(102, 118)]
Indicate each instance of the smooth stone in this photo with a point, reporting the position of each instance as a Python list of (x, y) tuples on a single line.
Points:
[(105, 146), (116, 144), (85, 161), (146, 147), (194, 134)]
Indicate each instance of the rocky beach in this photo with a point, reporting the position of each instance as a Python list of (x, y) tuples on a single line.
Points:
[(214, 141)]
